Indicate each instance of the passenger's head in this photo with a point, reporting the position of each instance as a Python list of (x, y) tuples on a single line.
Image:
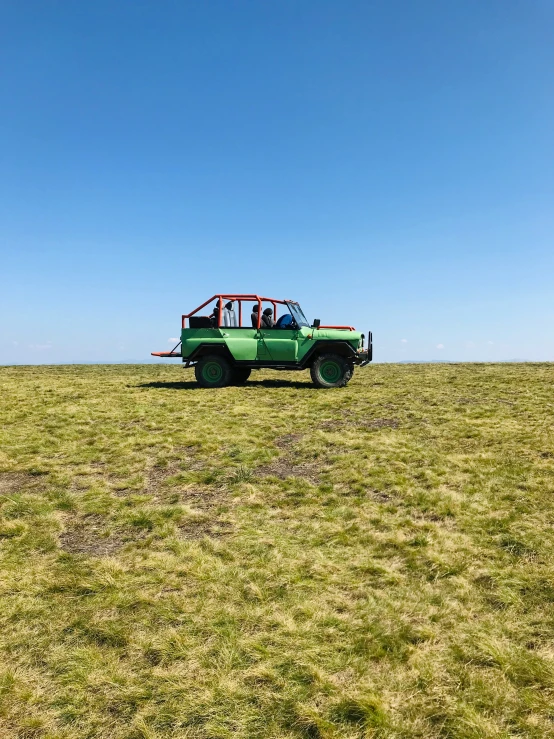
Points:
[(229, 305), (256, 308), (268, 311)]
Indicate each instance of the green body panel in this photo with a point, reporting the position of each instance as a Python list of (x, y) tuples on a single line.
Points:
[(242, 342), (271, 345)]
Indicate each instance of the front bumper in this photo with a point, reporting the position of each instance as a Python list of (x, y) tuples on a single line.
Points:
[(364, 356)]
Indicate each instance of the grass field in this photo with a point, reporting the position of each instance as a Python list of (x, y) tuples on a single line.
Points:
[(275, 560)]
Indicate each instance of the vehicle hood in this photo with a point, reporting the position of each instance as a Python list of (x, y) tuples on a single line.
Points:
[(336, 334)]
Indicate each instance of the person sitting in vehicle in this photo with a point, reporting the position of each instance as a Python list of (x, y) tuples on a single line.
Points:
[(285, 321), (267, 318), (214, 315), (254, 315), (229, 317)]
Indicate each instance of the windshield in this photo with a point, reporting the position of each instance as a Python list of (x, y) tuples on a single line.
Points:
[(297, 314)]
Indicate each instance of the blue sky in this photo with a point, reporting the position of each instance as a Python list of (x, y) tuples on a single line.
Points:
[(388, 164)]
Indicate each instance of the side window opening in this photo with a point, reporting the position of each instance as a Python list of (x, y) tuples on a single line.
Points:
[(263, 314)]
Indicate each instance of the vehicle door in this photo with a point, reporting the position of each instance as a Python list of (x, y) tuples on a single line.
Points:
[(243, 343), (281, 344)]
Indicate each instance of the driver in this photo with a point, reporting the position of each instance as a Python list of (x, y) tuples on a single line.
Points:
[(285, 321)]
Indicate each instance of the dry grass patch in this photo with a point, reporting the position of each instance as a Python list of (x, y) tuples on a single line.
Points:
[(88, 536), (14, 482), (291, 463), (288, 441), (285, 467), (201, 526), (354, 423)]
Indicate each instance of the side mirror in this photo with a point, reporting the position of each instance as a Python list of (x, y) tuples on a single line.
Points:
[(316, 322)]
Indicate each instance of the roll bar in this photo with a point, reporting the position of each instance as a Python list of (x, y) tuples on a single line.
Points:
[(239, 297)]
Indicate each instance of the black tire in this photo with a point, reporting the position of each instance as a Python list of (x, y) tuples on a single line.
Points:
[(213, 371), (240, 375), (330, 370)]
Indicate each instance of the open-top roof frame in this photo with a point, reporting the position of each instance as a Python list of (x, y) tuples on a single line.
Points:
[(239, 297)]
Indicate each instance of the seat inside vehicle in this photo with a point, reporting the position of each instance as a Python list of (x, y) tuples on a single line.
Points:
[(285, 321), (200, 322)]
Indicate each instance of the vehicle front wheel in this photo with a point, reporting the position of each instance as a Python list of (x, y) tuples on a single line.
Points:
[(213, 371), (240, 375), (331, 370)]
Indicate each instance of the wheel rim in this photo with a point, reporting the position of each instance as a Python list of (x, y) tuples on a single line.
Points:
[(331, 371), (212, 372)]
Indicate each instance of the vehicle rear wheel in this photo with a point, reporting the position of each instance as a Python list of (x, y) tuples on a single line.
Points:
[(213, 371), (240, 375), (330, 370)]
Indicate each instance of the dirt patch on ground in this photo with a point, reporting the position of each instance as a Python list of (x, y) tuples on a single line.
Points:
[(379, 423), (198, 528), (156, 476), (88, 536), (134, 424), (13, 482), (426, 516), (153, 476), (285, 467), (447, 522), (369, 424), (288, 441), (380, 496), (203, 499)]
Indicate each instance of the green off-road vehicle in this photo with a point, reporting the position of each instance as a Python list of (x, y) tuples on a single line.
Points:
[(224, 350)]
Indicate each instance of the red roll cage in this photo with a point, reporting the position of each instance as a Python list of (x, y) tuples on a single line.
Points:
[(247, 298), (239, 298)]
